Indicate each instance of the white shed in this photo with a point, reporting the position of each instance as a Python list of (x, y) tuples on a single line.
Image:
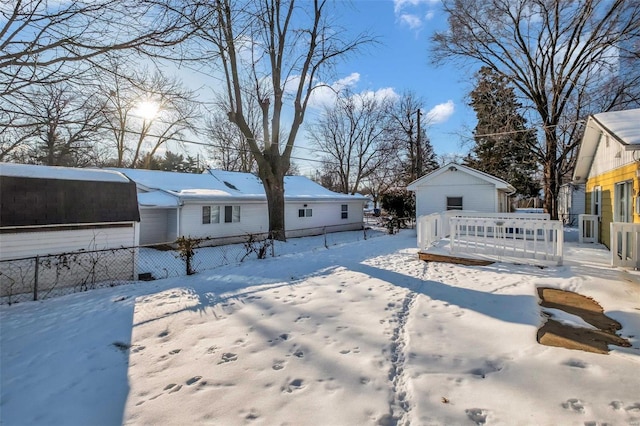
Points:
[(46, 213), (228, 206), (458, 187)]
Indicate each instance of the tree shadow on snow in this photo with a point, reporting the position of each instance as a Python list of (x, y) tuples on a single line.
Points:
[(504, 307)]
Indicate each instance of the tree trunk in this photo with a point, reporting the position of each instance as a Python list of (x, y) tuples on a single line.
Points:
[(551, 184), (274, 189)]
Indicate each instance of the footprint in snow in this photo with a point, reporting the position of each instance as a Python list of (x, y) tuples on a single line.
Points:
[(193, 380), (635, 407), (253, 415), (576, 363), (278, 364), (616, 405), (477, 415), (574, 404), (294, 385), (228, 357), (302, 318)]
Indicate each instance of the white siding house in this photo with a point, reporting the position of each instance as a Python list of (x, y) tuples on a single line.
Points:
[(571, 203), (228, 206), (458, 187)]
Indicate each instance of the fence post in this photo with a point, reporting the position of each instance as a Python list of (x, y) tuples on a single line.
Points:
[(324, 231), (35, 279)]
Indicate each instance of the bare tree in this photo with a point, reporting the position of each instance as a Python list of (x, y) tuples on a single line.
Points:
[(353, 136), (562, 57), (46, 41), (57, 42), (415, 152), (229, 147), (272, 52), (383, 179), (15, 133), (68, 125), (137, 132)]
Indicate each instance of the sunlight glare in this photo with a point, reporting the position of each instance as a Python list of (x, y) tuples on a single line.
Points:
[(148, 109)]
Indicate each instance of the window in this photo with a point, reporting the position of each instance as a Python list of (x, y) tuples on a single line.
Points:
[(231, 214), (454, 203), (622, 210), (206, 214), (596, 200), (215, 214), (305, 212), (210, 214), (345, 211)]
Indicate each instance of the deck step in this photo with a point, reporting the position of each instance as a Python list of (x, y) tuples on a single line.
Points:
[(432, 257)]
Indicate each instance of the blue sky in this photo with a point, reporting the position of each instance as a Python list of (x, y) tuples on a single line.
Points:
[(398, 63), (401, 62)]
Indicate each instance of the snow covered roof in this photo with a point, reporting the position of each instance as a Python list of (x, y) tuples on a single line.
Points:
[(157, 199), (623, 126), (220, 185), (295, 187), (499, 183), (55, 172)]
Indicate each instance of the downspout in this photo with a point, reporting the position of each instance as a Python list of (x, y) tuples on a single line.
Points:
[(178, 216)]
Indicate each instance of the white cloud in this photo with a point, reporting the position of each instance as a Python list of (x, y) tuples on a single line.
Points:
[(412, 21), (412, 12), (440, 113), (325, 95), (349, 81), (381, 94), (399, 5)]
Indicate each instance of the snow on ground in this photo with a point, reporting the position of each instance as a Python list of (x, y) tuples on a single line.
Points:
[(362, 333)]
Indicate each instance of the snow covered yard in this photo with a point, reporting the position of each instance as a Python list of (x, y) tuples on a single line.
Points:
[(362, 333)]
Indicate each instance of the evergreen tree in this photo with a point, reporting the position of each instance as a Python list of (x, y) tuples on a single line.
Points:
[(502, 143)]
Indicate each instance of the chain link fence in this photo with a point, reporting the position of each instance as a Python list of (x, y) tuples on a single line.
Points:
[(42, 277)]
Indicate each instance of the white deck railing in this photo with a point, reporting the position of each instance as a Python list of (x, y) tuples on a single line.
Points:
[(519, 235), (508, 238), (430, 230), (625, 244), (589, 228)]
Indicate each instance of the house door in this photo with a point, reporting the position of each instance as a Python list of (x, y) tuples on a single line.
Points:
[(623, 212)]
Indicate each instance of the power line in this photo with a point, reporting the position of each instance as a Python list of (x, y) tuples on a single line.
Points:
[(534, 128)]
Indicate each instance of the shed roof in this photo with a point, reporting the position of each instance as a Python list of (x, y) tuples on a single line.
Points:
[(499, 183), (56, 172), (623, 126)]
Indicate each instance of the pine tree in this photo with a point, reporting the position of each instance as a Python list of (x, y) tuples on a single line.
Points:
[(502, 143)]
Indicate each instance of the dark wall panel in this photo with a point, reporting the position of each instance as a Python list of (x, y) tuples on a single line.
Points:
[(33, 201)]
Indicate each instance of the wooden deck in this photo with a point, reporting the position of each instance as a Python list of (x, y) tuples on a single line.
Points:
[(432, 257)]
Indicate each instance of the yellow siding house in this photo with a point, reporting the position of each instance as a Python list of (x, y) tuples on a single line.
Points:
[(609, 164)]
